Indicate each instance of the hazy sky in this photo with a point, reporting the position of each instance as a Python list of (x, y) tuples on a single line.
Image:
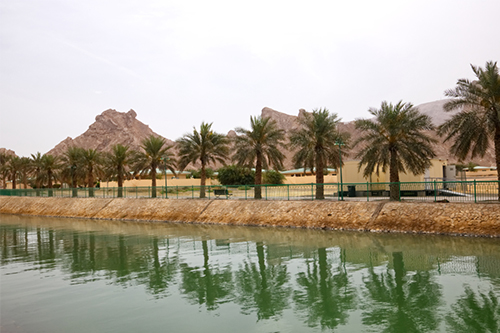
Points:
[(178, 63)]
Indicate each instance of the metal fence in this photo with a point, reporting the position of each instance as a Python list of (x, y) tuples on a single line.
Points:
[(456, 191)]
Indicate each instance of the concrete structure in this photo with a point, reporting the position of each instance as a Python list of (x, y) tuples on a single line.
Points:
[(384, 216)]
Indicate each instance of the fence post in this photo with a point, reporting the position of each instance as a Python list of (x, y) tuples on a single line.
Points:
[(288, 191), (475, 197), (367, 192), (435, 191), (266, 191), (192, 191), (312, 191)]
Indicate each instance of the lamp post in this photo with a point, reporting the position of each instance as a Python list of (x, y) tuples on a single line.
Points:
[(340, 144)]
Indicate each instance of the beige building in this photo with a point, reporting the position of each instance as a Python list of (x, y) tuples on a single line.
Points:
[(301, 176), (179, 179), (482, 173), (440, 170)]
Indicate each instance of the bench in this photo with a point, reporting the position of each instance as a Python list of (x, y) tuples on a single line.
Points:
[(222, 191)]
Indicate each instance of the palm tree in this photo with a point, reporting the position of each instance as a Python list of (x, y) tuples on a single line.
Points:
[(14, 166), (91, 161), (4, 158), (118, 162), (316, 143), (73, 160), (205, 146), (395, 139), (49, 165), (36, 169), (478, 124), (25, 171), (260, 145), (156, 154)]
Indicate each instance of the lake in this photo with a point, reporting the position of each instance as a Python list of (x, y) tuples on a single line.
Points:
[(76, 275)]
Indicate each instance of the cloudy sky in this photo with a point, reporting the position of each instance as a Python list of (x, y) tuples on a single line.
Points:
[(178, 63)]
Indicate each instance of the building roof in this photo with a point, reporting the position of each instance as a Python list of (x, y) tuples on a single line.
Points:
[(302, 170)]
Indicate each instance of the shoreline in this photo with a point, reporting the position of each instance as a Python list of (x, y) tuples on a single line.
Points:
[(458, 219)]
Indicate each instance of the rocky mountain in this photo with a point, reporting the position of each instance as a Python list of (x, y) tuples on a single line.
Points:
[(433, 109), (7, 152), (110, 127)]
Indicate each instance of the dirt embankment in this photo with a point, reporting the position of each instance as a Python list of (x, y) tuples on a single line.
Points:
[(438, 218)]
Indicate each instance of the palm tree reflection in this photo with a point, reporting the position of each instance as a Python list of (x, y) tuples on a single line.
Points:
[(398, 302), (326, 295), (262, 289), (207, 285), (475, 313)]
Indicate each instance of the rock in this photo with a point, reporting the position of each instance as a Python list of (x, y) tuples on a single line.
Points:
[(111, 127)]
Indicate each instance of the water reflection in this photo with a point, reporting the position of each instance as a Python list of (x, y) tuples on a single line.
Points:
[(475, 312), (326, 294), (321, 280), (262, 288)]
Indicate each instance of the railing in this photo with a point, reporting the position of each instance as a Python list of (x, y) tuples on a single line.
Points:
[(450, 191)]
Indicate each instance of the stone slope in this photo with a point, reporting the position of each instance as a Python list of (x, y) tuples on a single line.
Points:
[(111, 127)]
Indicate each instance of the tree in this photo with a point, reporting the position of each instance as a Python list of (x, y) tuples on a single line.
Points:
[(260, 145), (478, 123), (118, 162), (273, 177), (37, 169), (205, 146), (72, 159), (91, 161), (235, 175), (155, 154), (49, 165), (14, 167), (316, 144), (4, 158), (25, 171), (395, 139)]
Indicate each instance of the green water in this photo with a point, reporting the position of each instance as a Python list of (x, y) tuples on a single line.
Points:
[(69, 275)]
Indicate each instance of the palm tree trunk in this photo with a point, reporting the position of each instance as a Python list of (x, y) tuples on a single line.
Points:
[(203, 180), (73, 184), (497, 155), (153, 181), (91, 183), (320, 179), (120, 183), (394, 177), (14, 185), (49, 184), (258, 176)]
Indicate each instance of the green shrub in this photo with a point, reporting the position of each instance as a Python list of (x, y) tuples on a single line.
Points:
[(273, 177), (197, 173), (236, 175)]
